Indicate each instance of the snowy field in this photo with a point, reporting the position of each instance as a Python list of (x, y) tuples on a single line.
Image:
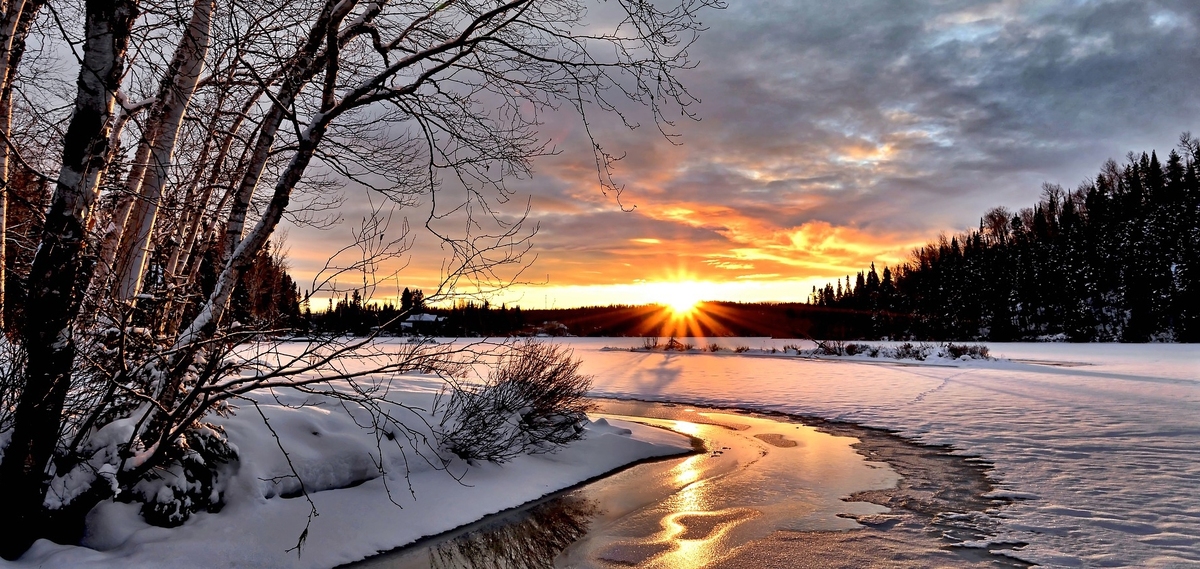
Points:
[(359, 511), (1099, 446), (1102, 459)]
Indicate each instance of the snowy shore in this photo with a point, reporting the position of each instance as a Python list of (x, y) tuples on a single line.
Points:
[(359, 512), (1098, 445)]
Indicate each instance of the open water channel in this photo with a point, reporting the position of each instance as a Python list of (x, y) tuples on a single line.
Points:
[(760, 491)]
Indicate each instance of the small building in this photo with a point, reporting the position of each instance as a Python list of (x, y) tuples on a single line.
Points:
[(422, 323)]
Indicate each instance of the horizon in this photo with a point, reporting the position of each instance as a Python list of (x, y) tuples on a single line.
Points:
[(831, 139)]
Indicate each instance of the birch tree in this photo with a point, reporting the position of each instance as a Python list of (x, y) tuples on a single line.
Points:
[(48, 338), (16, 18), (407, 98)]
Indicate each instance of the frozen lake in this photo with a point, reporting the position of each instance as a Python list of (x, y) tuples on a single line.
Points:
[(1096, 445), (767, 491), (1099, 444)]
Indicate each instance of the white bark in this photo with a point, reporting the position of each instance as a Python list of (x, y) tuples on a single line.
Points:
[(189, 62), (111, 241), (11, 36)]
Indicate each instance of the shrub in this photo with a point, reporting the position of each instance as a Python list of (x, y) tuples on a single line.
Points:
[(830, 348), (12, 368), (907, 351), (674, 345), (650, 343), (190, 480), (741, 349), (977, 351), (532, 402)]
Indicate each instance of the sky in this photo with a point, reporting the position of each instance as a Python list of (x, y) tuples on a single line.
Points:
[(834, 135)]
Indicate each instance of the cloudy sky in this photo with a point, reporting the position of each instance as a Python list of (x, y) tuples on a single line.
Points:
[(835, 134)]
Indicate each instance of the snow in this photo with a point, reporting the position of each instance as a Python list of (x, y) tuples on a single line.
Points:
[(1098, 446), (359, 511), (1101, 459)]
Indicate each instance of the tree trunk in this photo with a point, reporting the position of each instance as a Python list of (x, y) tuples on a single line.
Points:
[(295, 77), (8, 26), (37, 420), (187, 65), (110, 242), (14, 27), (189, 232)]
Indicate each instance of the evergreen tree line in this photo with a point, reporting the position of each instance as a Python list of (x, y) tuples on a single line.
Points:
[(355, 315), (1117, 259), (265, 297)]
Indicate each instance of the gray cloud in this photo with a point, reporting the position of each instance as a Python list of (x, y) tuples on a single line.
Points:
[(980, 101), (896, 118)]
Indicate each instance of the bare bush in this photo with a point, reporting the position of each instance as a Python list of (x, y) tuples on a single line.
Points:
[(908, 351), (12, 367), (674, 345), (977, 351), (831, 347), (532, 402)]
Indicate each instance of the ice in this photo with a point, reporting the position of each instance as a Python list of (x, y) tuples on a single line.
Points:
[(1097, 444)]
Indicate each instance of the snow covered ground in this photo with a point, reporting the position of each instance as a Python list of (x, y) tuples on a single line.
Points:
[(336, 457), (1103, 459), (1098, 444)]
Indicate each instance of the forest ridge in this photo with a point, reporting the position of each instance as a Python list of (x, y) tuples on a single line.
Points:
[(1113, 260)]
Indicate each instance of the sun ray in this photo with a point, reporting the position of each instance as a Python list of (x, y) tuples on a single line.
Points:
[(682, 297)]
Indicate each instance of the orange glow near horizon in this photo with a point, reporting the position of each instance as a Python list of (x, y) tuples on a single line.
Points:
[(684, 298)]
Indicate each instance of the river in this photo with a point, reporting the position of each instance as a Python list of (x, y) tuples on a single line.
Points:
[(760, 491)]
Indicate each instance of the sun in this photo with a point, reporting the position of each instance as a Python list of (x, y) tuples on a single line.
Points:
[(682, 298)]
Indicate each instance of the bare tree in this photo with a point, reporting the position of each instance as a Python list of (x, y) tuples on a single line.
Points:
[(995, 224), (15, 20), (48, 339), (406, 98)]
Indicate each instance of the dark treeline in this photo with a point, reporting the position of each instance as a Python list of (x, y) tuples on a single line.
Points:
[(711, 319), (353, 314), (1113, 260)]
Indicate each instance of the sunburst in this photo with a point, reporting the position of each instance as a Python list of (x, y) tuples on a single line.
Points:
[(683, 298)]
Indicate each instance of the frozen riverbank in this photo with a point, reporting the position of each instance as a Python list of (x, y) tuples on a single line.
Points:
[(768, 488), (1102, 458), (359, 511), (1098, 446)]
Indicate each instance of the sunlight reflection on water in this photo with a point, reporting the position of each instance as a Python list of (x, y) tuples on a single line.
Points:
[(756, 477)]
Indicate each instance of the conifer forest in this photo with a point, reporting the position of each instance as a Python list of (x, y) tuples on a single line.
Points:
[(1116, 259)]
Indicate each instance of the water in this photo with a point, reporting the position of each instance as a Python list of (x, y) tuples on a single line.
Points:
[(757, 478)]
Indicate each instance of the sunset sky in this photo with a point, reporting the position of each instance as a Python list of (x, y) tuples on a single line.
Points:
[(837, 134)]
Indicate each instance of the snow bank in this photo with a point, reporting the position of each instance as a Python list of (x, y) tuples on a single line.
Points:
[(1097, 444), (360, 510)]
